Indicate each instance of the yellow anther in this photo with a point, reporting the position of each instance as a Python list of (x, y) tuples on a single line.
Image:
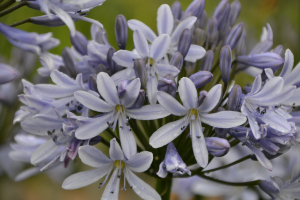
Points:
[(119, 163), (193, 112), (151, 61), (119, 108)]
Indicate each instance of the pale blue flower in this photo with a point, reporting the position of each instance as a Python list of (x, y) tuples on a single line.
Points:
[(193, 114)]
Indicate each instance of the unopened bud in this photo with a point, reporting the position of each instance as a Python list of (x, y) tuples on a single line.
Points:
[(269, 188), (207, 61), (221, 13), (80, 43), (45, 20), (177, 60), (235, 9), (196, 8), (217, 146), (7, 73), (201, 78), (212, 33), (140, 71), (240, 48), (168, 85), (200, 36), (121, 31), (202, 96), (122, 87), (221, 132), (112, 65), (69, 61), (172, 163), (95, 140), (202, 21), (100, 68), (92, 83), (225, 63), (185, 42), (234, 98), (176, 10), (140, 100), (234, 35), (189, 68), (262, 61)]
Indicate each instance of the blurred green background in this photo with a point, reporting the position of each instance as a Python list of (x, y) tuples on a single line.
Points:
[(283, 16)]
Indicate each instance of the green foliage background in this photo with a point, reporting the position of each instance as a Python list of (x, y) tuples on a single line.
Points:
[(283, 16)]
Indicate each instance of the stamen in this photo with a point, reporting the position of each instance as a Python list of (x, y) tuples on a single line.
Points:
[(108, 174)]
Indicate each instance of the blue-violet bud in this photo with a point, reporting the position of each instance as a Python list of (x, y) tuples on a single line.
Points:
[(235, 9), (207, 61), (201, 78), (177, 60), (234, 35), (140, 71), (262, 60), (176, 10), (185, 42), (217, 146), (80, 43), (225, 63), (234, 98), (121, 31), (168, 85)]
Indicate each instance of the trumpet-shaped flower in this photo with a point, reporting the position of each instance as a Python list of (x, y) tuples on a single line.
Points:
[(193, 114), (117, 163)]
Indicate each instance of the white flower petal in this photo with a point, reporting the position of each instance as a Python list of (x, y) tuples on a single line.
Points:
[(125, 58), (43, 152), (93, 157), (198, 141), (295, 173), (140, 162), (260, 156), (54, 91), (92, 102), (165, 20), (115, 151), (107, 88), (148, 112), (111, 191), (125, 74), (269, 73), (288, 63), (273, 86), (293, 77), (171, 104), (224, 119), (93, 128), (127, 139), (195, 53), (164, 69), (276, 121), (186, 23), (61, 79), (211, 100), (159, 47), (141, 188), (167, 133), (140, 43), (27, 173), (188, 93), (256, 84), (132, 92), (134, 24), (152, 88), (85, 178), (294, 100)]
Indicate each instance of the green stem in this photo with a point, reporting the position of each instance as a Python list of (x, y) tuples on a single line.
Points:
[(229, 165), (6, 4), (20, 22), (163, 187), (250, 183), (11, 9)]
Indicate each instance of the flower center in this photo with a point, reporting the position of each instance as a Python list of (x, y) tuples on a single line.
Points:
[(119, 163), (193, 114), (119, 108), (151, 61)]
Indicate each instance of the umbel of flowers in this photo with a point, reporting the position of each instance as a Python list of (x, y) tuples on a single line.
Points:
[(166, 108)]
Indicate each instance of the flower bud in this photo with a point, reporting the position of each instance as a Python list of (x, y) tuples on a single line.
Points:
[(234, 35), (217, 146), (69, 61), (225, 63), (201, 78), (221, 13), (200, 36), (202, 96), (177, 60), (202, 21), (221, 132), (95, 140), (279, 50), (234, 98), (196, 8), (112, 65), (45, 20), (269, 188), (176, 10), (122, 87), (185, 42), (207, 61), (7, 73), (262, 61), (80, 43), (189, 68), (235, 9), (92, 83), (168, 85), (100, 68), (121, 31), (140, 100), (266, 41), (172, 163), (140, 71), (240, 48), (212, 33)]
